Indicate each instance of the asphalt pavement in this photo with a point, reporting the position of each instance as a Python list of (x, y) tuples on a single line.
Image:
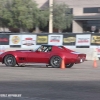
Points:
[(37, 82)]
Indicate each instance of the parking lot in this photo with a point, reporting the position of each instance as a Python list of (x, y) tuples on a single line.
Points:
[(37, 82)]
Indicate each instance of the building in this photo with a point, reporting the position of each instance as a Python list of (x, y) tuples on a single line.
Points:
[(86, 14)]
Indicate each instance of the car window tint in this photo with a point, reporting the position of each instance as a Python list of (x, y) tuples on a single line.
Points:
[(47, 49)]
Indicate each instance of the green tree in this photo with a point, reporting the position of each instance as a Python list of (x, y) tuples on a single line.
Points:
[(3, 22), (42, 18), (62, 17), (23, 14)]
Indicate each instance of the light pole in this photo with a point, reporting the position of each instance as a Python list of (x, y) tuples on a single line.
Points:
[(51, 16)]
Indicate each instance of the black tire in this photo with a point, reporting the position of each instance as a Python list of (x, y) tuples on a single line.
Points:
[(10, 60), (69, 65), (47, 65), (55, 61)]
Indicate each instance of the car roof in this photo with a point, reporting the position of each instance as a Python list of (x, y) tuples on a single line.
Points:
[(50, 45)]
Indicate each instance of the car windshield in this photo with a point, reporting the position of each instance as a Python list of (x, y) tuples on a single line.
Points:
[(40, 48), (37, 48), (43, 48)]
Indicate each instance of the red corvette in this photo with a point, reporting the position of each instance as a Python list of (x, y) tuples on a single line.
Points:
[(48, 54)]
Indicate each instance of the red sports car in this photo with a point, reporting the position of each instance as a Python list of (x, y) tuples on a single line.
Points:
[(49, 54)]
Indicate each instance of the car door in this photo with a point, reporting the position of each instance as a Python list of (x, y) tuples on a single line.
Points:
[(38, 57)]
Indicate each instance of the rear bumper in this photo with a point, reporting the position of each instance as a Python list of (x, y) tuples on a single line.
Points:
[(80, 60)]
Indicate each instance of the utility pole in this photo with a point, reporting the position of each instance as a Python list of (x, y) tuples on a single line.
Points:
[(51, 16)]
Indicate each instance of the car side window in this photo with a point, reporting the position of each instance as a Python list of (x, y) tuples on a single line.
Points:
[(48, 49), (45, 49), (40, 49)]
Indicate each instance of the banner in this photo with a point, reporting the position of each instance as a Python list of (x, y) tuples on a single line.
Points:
[(55, 39), (83, 40), (95, 39), (15, 40), (3, 48), (69, 39), (4, 39), (28, 41), (42, 39), (98, 51)]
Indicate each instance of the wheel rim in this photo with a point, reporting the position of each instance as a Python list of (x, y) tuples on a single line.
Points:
[(56, 61), (9, 61)]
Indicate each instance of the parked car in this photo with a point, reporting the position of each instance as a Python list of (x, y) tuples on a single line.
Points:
[(49, 54)]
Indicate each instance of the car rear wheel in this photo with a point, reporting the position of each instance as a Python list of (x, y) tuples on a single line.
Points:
[(10, 60), (69, 65), (55, 61)]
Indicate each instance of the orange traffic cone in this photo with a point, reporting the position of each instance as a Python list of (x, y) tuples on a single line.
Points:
[(62, 64), (95, 63)]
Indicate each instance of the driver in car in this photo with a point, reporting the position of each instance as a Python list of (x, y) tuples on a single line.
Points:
[(41, 48)]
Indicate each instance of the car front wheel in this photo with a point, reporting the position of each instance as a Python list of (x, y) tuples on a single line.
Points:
[(10, 60), (69, 65)]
